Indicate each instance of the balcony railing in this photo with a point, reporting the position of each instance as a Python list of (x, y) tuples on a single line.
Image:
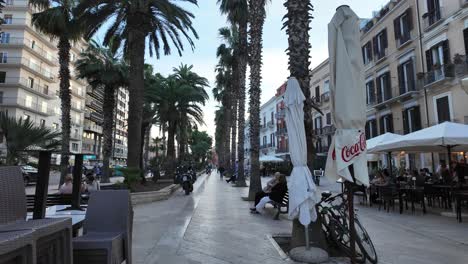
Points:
[(271, 124), (29, 64), (265, 146), (406, 87), (316, 100), (6, 40), (27, 104), (280, 114), (380, 54), (76, 106), (325, 97), (282, 150), (432, 17), (328, 130), (439, 73), (96, 93), (40, 89), (404, 38), (281, 131)]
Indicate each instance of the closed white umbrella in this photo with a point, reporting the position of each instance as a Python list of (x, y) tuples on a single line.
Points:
[(302, 189), (268, 158), (348, 95)]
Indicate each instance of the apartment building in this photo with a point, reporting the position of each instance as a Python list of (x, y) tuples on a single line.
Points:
[(120, 148), (92, 126), (29, 73), (282, 143), (414, 54), (268, 127)]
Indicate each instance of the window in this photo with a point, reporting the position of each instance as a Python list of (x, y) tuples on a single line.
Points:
[(406, 76), (380, 44), (3, 57), (329, 140), (272, 139), (465, 38), (371, 129), (26, 116), (42, 122), (8, 19), (402, 27), (30, 82), (411, 119), (367, 52), (386, 124), (28, 101), (1, 97), (370, 92), (4, 37), (55, 126), (75, 146), (264, 140), (45, 89), (433, 13), (272, 116), (437, 55), (318, 124), (44, 107), (2, 76), (384, 90), (328, 117), (443, 109), (264, 121), (326, 86)]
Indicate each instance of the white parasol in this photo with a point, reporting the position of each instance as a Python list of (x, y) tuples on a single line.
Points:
[(302, 190), (348, 95)]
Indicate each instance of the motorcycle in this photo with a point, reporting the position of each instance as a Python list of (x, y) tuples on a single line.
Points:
[(187, 182)]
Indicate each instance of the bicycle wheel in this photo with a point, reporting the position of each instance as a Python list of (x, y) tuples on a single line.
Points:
[(340, 236), (365, 242)]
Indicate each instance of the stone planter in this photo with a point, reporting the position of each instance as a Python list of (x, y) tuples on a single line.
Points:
[(149, 197)]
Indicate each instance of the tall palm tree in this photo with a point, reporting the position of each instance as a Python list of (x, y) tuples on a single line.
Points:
[(237, 13), (58, 21), (297, 24), (134, 23), (257, 19), (22, 134), (105, 70)]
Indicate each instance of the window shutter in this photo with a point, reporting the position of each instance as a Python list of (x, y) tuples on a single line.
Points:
[(372, 91), (384, 38), (382, 125), (465, 38), (363, 50), (367, 130), (388, 86), (446, 50), (401, 79), (409, 19), (369, 49), (417, 118), (374, 128), (390, 123), (405, 121), (411, 78), (379, 89), (396, 27), (375, 46), (429, 60)]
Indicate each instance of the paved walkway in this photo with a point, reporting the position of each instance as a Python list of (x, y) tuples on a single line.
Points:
[(213, 226)]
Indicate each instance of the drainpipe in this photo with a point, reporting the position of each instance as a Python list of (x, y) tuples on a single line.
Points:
[(426, 108)]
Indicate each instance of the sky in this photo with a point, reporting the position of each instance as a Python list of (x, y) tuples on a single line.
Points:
[(208, 20)]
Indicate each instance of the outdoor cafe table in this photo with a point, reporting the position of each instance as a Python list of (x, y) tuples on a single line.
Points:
[(411, 192), (57, 211)]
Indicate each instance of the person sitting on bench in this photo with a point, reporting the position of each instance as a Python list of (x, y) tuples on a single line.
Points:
[(267, 189), (276, 195)]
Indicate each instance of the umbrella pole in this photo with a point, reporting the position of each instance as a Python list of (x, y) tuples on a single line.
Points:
[(306, 228), (352, 231), (390, 165)]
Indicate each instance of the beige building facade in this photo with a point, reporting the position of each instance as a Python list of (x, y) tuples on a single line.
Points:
[(414, 54)]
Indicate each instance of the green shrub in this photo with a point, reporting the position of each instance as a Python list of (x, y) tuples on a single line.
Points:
[(131, 177)]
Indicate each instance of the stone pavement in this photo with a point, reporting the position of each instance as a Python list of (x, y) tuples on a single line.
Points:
[(213, 226)]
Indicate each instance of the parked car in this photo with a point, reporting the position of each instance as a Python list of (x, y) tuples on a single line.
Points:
[(29, 174)]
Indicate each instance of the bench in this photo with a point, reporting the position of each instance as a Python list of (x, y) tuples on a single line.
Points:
[(54, 199), (280, 206)]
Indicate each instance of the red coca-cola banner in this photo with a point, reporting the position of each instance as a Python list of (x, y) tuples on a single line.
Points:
[(352, 151)]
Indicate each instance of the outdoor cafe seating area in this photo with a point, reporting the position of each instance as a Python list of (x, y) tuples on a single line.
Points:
[(444, 190), (62, 233)]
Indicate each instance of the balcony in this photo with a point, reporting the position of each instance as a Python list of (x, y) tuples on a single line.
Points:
[(432, 18), (439, 74), (271, 124), (29, 65), (281, 132), (95, 93), (403, 39), (41, 109), (75, 136), (95, 117), (316, 100), (281, 150), (325, 97), (94, 104), (77, 107), (266, 146), (25, 23), (280, 114), (38, 89), (328, 130), (77, 92), (48, 57), (263, 128)]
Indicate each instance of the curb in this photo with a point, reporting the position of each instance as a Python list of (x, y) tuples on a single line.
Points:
[(149, 197)]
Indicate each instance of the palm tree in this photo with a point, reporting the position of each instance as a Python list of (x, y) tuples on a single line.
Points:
[(297, 24), (237, 13), (257, 19), (103, 69), (21, 135), (58, 21), (133, 24)]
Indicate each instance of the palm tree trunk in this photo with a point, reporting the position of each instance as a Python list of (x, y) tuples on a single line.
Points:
[(170, 162), (257, 19), (234, 124), (107, 131), (298, 26), (65, 98), (227, 133), (147, 145), (242, 68), (136, 55), (143, 129)]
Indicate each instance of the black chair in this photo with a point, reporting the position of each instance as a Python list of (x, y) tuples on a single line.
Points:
[(388, 195)]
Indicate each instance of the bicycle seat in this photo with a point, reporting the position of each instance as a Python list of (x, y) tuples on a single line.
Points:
[(325, 195)]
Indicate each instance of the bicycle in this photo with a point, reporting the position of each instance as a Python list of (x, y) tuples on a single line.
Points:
[(333, 213)]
